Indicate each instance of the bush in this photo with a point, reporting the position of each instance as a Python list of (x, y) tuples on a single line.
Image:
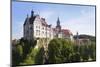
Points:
[(75, 57), (84, 52)]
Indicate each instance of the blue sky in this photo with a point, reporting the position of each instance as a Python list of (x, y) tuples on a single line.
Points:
[(73, 17)]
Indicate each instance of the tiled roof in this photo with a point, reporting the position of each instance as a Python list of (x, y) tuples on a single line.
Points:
[(66, 32)]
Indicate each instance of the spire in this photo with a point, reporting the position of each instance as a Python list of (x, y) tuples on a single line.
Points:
[(58, 27), (77, 34), (32, 13), (58, 22)]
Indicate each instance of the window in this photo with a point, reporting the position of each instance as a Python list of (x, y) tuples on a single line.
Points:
[(36, 32), (39, 32), (43, 28), (36, 26)]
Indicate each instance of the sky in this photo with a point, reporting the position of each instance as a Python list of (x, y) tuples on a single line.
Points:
[(76, 18)]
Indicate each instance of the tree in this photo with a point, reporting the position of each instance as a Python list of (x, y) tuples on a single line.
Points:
[(92, 51), (60, 50), (17, 55), (84, 52), (75, 57), (54, 51), (67, 50), (39, 57), (21, 52)]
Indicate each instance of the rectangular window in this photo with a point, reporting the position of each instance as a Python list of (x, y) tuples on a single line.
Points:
[(36, 32)]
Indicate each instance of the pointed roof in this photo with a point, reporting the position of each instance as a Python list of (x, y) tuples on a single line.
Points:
[(31, 20), (58, 21), (32, 13), (26, 20)]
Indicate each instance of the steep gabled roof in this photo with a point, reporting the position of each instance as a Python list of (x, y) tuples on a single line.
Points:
[(31, 19)]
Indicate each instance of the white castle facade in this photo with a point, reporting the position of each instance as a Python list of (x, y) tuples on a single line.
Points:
[(36, 27)]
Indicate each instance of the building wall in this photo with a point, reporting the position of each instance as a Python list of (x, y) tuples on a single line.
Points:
[(38, 30), (41, 31), (26, 31), (37, 27)]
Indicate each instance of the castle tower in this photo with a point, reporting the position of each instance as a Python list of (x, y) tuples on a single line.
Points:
[(58, 27), (32, 14), (24, 27), (77, 38)]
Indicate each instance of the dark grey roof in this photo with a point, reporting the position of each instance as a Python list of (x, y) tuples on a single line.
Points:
[(26, 21), (31, 19)]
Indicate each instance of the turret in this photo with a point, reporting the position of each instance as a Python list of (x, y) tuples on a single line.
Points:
[(58, 27), (77, 35), (58, 22), (32, 13)]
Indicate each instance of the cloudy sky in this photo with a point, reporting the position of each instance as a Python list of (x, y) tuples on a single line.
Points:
[(74, 17)]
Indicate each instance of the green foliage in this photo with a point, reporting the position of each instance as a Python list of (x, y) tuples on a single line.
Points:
[(88, 51), (84, 52), (92, 51), (59, 50), (36, 56), (54, 51), (75, 57), (22, 51), (27, 61), (17, 55), (67, 50), (19, 50), (39, 57)]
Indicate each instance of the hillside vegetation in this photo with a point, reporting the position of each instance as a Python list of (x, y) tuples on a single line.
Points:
[(59, 51)]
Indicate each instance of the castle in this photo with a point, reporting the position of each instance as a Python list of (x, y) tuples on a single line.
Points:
[(36, 27)]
